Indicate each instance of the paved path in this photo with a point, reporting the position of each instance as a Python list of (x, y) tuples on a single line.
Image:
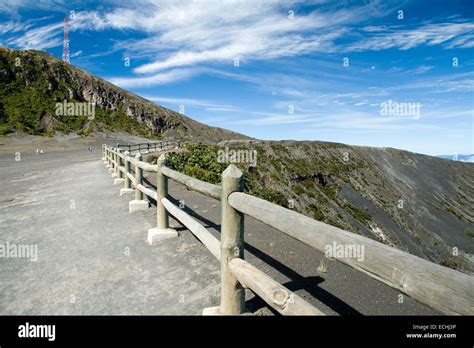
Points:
[(92, 255), (93, 259)]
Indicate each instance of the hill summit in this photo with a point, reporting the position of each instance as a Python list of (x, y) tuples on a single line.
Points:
[(33, 84)]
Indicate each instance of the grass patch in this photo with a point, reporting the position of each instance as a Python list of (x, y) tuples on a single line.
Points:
[(468, 233)]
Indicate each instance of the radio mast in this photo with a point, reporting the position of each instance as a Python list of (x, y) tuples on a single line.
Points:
[(66, 56)]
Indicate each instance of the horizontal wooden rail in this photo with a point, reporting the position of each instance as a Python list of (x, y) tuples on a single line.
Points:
[(143, 165), (157, 146), (132, 178), (442, 288), (276, 295), (147, 191), (209, 241), (211, 190)]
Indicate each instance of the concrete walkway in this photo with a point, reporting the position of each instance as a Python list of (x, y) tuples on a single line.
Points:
[(92, 255), (93, 259)]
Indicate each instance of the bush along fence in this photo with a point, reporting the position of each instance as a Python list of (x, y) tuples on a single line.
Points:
[(444, 289)]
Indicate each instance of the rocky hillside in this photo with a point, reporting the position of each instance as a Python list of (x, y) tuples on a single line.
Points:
[(32, 82), (417, 203)]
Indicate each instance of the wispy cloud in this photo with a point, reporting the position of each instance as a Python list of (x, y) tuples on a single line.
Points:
[(166, 77), (208, 104), (44, 37), (13, 27), (450, 35)]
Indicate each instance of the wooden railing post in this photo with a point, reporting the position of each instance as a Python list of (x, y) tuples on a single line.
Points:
[(162, 192), (138, 178), (138, 203), (120, 163), (232, 246), (119, 175), (112, 163), (163, 230), (107, 156), (115, 163), (128, 183)]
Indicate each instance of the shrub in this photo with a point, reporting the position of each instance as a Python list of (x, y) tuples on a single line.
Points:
[(152, 159)]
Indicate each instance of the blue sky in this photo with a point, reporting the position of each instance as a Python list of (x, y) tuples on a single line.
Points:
[(290, 81)]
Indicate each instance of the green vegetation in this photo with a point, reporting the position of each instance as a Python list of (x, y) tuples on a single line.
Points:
[(152, 159), (316, 212), (330, 191), (468, 233), (271, 179), (31, 86), (200, 162), (453, 212), (358, 214), (298, 189), (450, 262)]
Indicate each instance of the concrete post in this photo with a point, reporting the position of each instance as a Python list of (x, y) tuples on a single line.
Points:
[(138, 203), (162, 231), (232, 246)]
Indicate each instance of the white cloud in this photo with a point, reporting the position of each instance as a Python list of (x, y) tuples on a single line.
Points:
[(208, 104), (13, 27), (44, 37), (451, 35), (157, 79), (76, 54)]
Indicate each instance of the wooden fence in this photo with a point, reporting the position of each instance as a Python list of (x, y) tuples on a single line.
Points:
[(149, 147), (439, 287)]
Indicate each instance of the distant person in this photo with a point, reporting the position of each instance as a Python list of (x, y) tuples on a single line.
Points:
[(37, 151), (90, 148), (41, 152)]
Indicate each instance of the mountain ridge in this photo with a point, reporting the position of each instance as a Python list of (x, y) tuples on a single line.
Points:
[(31, 74)]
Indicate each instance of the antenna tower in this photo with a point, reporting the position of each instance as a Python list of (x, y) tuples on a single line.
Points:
[(66, 56)]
